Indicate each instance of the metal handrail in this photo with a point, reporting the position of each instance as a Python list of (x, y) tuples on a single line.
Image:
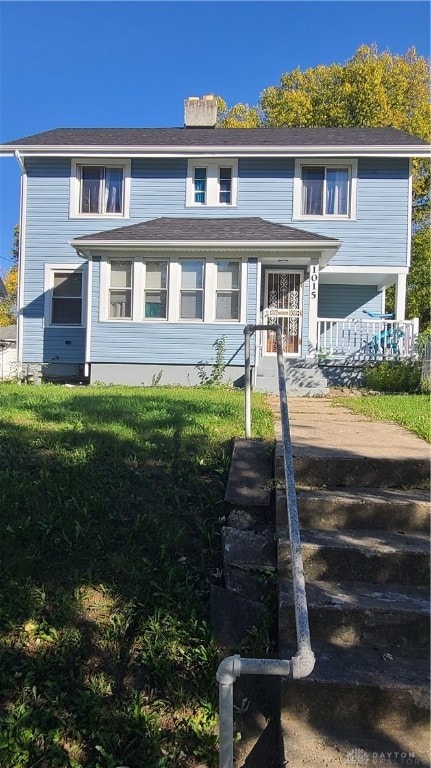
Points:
[(302, 663)]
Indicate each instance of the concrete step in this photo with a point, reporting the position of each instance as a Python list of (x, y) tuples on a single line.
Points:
[(368, 508), (363, 556), (324, 745), (393, 619), (250, 474), (353, 688), (302, 388), (359, 471), (304, 378)]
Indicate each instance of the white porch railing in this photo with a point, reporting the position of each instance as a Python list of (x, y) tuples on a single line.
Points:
[(362, 340)]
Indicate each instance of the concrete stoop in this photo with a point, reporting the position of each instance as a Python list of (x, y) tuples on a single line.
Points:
[(304, 378), (366, 564)]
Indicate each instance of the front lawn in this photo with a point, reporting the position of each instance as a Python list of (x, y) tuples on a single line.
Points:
[(410, 411), (111, 504)]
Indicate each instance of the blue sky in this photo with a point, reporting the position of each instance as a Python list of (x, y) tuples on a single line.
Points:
[(133, 63)]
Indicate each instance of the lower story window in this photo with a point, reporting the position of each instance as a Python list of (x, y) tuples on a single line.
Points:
[(120, 290), (227, 290), (192, 289), (66, 306), (156, 284)]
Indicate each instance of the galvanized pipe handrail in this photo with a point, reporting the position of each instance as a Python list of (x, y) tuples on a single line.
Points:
[(302, 664)]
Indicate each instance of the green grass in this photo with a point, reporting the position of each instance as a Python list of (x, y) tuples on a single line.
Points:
[(411, 411), (111, 505)]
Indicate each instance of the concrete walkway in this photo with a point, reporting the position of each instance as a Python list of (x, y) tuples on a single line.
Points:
[(322, 428)]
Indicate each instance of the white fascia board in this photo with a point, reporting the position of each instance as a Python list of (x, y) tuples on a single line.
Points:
[(38, 150), (206, 244), (347, 269)]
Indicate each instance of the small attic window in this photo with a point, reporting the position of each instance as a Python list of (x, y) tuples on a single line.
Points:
[(212, 183)]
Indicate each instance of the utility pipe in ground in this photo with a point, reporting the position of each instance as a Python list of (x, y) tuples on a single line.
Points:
[(302, 664)]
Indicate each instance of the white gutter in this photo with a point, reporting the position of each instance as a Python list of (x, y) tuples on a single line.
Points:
[(249, 244), (88, 328), (21, 256), (347, 150)]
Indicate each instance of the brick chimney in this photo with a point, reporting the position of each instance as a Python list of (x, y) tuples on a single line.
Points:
[(200, 112)]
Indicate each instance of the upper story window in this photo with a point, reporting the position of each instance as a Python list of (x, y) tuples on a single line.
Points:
[(325, 189), (100, 189), (212, 183), (200, 186)]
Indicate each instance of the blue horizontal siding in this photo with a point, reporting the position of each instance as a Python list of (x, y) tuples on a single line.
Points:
[(377, 238), (349, 301)]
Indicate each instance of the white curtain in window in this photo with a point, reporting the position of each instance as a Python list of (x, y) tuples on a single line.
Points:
[(337, 180)]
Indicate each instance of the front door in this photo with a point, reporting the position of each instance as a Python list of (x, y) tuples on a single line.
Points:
[(283, 306)]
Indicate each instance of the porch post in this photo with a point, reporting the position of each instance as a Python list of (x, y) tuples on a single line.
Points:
[(312, 311), (400, 297)]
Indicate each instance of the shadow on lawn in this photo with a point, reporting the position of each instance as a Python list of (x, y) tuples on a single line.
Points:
[(110, 528)]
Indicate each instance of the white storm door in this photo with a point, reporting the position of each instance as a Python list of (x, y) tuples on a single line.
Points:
[(283, 306)]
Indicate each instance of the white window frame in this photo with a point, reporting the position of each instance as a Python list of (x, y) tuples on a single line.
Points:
[(75, 187), (173, 307), (50, 271), (352, 167), (212, 182)]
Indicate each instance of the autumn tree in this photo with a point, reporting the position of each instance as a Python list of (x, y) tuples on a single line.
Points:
[(10, 281), (371, 89), (238, 116)]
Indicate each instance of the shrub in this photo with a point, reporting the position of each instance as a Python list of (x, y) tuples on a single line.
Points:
[(394, 376)]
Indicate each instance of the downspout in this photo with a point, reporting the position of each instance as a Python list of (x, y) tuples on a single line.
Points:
[(302, 663), (21, 256)]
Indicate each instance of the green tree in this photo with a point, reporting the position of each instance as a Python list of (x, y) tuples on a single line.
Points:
[(419, 279), (238, 116), (10, 280), (371, 89)]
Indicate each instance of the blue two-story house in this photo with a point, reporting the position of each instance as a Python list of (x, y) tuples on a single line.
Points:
[(140, 248)]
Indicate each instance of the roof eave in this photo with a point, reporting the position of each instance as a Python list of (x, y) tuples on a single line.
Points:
[(236, 150), (206, 244)]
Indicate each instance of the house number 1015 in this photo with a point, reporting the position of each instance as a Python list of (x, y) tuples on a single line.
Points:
[(314, 277)]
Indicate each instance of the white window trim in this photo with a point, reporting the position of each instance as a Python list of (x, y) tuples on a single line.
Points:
[(173, 289), (352, 167), (75, 187), (213, 183), (50, 270)]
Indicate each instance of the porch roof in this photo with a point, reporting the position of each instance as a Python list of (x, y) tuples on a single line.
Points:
[(244, 231)]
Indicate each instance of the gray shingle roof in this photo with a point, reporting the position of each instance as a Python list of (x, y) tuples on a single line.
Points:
[(143, 137), (240, 229)]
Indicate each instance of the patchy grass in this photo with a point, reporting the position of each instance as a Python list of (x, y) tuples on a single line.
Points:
[(111, 504), (411, 411)]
